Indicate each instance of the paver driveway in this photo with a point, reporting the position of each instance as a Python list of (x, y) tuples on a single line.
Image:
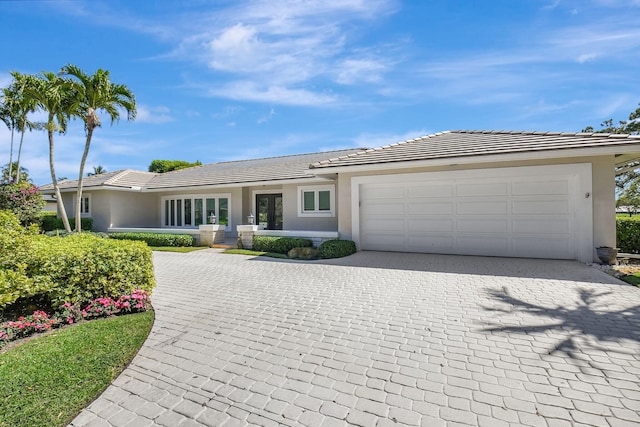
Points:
[(381, 339)]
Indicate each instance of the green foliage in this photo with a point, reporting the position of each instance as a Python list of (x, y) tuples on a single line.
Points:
[(628, 234), (24, 173), (52, 223), (162, 166), (23, 199), (336, 248), (280, 245), (78, 268), (156, 239)]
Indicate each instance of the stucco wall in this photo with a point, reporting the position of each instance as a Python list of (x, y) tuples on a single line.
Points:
[(603, 192), (132, 209)]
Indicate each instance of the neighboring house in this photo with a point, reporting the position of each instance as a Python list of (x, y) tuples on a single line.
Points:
[(521, 194), (50, 204)]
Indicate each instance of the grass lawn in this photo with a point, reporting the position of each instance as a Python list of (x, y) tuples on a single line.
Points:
[(255, 253), (48, 380), (634, 279), (182, 249)]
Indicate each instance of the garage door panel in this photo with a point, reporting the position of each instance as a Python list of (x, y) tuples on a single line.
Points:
[(482, 244), (372, 225), (535, 225), (558, 247), (384, 192), (384, 242), (560, 187), (483, 189), (430, 208), (430, 191), (385, 208), (489, 225), (430, 243), (483, 207), (419, 225), (546, 207)]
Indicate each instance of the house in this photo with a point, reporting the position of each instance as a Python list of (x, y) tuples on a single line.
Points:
[(494, 193)]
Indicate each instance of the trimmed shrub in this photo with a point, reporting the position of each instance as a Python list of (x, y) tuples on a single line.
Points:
[(336, 248), (78, 268), (50, 222), (628, 234), (23, 199), (63, 233), (156, 239), (280, 245)]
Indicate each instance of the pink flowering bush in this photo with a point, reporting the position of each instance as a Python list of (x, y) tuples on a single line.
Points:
[(70, 313)]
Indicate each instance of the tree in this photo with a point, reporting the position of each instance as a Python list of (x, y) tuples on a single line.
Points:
[(23, 199), (630, 197), (9, 116), (13, 170), (53, 95), (24, 106), (628, 173), (162, 166), (95, 93), (97, 170)]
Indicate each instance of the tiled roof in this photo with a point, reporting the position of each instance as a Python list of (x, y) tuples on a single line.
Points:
[(245, 171), (126, 178), (234, 172), (452, 144)]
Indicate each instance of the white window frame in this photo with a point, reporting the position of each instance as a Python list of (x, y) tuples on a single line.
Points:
[(84, 214), (317, 213), (182, 197)]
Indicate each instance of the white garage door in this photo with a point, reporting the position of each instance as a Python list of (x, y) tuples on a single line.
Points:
[(538, 212)]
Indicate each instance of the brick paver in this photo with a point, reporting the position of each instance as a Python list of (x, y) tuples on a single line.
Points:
[(380, 339)]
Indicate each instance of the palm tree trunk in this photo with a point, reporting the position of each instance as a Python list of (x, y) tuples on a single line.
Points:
[(80, 178), (11, 157), (19, 153), (54, 180)]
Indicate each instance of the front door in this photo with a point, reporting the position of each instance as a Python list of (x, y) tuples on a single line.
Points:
[(269, 208)]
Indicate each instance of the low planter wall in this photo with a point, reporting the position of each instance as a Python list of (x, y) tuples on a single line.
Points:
[(246, 233)]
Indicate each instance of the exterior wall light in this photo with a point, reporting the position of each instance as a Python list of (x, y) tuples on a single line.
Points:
[(251, 219)]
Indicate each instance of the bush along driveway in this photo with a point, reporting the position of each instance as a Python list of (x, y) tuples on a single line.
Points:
[(381, 339)]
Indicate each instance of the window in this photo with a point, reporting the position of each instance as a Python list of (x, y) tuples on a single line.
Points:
[(190, 211), (316, 201), (85, 205)]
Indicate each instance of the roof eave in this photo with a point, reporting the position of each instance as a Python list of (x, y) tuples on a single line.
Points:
[(483, 158)]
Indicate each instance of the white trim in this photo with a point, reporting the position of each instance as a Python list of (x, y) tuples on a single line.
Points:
[(298, 233), (204, 207), (173, 230), (316, 189), (83, 214), (480, 159), (581, 186)]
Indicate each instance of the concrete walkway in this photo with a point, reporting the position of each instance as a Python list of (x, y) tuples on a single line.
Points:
[(381, 339)]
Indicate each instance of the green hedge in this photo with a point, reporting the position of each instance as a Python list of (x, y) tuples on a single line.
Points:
[(78, 268), (628, 234), (280, 245), (336, 248), (49, 222), (156, 239)]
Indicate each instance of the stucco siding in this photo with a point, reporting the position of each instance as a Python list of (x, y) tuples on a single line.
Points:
[(131, 210)]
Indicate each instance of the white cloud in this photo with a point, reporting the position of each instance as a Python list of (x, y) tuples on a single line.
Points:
[(266, 117), (250, 91), (350, 71), (586, 57), (155, 115)]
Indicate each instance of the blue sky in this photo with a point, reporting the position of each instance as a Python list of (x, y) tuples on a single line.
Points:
[(227, 80)]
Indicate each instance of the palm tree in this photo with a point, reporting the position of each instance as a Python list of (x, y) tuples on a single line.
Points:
[(10, 174), (55, 96), (25, 105), (95, 93), (9, 116), (97, 170)]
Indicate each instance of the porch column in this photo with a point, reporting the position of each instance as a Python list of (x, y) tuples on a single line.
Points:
[(211, 233), (245, 235)]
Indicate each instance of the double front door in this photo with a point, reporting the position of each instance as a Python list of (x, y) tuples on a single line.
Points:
[(269, 207)]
